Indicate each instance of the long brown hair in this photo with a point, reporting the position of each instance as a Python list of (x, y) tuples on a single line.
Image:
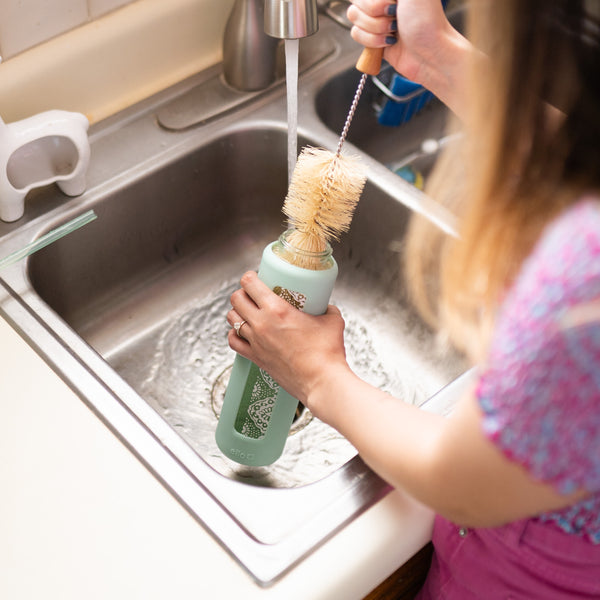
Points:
[(531, 146)]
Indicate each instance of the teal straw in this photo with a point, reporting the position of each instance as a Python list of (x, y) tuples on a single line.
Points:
[(48, 238)]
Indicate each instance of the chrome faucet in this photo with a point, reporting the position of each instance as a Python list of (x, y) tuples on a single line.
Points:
[(252, 35)]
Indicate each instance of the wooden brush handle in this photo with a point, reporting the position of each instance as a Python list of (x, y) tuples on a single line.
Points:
[(369, 61)]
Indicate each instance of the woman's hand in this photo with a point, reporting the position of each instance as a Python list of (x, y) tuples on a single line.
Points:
[(409, 30), (419, 43), (298, 350)]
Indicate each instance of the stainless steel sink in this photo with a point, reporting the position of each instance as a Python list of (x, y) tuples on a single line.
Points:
[(130, 310)]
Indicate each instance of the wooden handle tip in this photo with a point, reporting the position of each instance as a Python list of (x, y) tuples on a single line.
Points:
[(369, 61)]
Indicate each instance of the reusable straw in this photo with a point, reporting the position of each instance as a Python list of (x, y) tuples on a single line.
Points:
[(48, 238)]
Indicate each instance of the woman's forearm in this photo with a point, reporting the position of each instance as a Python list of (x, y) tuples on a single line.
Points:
[(446, 463), (397, 440)]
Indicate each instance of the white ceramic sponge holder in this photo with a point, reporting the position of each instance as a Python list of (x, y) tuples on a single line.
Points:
[(49, 147)]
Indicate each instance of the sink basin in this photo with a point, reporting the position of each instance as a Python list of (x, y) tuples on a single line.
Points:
[(147, 286), (130, 309)]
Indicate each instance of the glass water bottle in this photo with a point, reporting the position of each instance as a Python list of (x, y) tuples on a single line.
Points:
[(257, 414)]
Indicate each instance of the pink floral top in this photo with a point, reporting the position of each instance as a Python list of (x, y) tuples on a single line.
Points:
[(540, 394)]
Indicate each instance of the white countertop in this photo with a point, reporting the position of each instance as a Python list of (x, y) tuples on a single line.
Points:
[(82, 518)]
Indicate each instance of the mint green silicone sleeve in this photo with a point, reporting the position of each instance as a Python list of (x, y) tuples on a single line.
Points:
[(257, 414)]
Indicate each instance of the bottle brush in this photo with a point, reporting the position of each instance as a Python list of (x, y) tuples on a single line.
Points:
[(322, 196), (326, 186)]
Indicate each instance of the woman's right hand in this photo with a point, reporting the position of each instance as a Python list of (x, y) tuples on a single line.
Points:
[(418, 41)]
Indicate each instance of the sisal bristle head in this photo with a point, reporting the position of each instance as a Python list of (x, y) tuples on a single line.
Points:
[(322, 196)]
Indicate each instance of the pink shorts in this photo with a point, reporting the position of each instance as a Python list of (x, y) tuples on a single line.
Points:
[(525, 560)]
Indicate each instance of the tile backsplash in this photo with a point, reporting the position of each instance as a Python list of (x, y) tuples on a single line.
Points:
[(26, 23)]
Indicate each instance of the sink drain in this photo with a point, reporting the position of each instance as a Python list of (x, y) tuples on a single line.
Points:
[(302, 418)]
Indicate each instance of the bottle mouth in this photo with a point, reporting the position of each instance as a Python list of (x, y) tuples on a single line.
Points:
[(284, 240)]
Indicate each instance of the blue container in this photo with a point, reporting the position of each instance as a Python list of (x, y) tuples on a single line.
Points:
[(405, 100)]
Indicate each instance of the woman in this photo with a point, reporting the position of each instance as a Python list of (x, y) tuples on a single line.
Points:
[(514, 474)]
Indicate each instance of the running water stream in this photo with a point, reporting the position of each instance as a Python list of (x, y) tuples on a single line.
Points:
[(291, 78)]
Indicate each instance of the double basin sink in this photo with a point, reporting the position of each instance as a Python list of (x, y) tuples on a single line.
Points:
[(130, 309)]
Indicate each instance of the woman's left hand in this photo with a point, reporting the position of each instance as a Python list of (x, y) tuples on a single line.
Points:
[(295, 348)]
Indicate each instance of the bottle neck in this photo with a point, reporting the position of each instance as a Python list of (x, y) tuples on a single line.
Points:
[(313, 260)]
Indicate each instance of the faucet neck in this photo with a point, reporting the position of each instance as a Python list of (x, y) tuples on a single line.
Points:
[(291, 19)]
